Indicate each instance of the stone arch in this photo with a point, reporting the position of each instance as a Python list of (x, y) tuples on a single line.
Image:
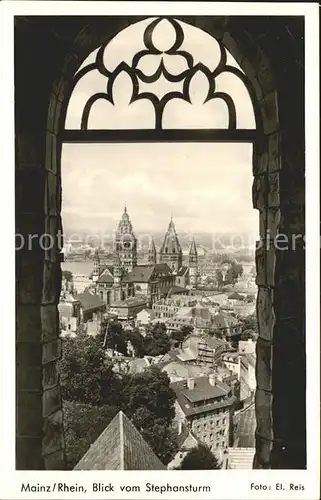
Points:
[(277, 445)]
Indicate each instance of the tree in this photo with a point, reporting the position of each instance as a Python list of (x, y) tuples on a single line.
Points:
[(249, 327), (87, 378), (67, 275), (157, 341), (181, 334), (250, 323), (137, 340), (215, 333), (116, 337), (162, 440), (83, 424), (199, 458), (149, 401), (248, 335), (85, 374), (149, 390), (235, 270)]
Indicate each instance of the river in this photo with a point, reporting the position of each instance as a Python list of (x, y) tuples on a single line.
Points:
[(84, 267)]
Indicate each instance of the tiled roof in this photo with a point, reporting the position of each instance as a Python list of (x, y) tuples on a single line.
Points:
[(203, 391), (140, 274), (182, 271), (186, 355), (120, 447), (106, 276), (241, 458), (163, 269), (171, 242), (212, 342), (169, 356), (245, 426), (90, 301), (173, 290), (224, 321), (182, 370)]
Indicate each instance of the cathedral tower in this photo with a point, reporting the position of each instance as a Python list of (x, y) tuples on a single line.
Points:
[(118, 276), (126, 243), (96, 269), (152, 255), (192, 264), (171, 251)]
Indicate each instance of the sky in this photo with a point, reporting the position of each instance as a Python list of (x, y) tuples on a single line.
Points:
[(206, 187)]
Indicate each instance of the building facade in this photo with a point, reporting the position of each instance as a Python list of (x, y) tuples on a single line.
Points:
[(125, 278), (205, 349), (205, 406)]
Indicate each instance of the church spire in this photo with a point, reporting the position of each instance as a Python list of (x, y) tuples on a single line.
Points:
[(152, 254), (192, 264), (193, 250), (171, 250), (126, 243)]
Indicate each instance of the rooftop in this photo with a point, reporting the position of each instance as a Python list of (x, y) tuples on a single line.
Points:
[(182, 370), (202, 391), (209, 340), (245, 426), (130, 302), (182, 271), (140, 274), (90, 301), (106, 276), (120, 447), (175, 289), (186, 355), (223, 320)]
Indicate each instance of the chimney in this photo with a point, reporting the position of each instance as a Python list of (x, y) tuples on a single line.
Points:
[(190, 383), (212, 379), (180, 427)]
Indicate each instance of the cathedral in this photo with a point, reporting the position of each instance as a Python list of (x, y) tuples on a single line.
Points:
[(163, 274)]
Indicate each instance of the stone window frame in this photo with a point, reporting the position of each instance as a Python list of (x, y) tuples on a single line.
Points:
[(267, 154)]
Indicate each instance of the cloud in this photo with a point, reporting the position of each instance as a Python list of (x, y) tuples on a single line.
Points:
[(204, 186)]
